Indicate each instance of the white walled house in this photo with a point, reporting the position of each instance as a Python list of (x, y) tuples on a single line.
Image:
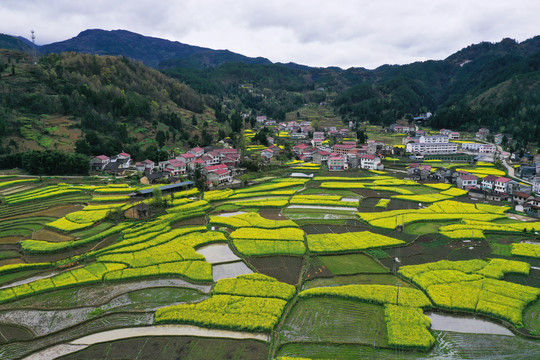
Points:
[(369, 162), (466, 181), (488, 183)]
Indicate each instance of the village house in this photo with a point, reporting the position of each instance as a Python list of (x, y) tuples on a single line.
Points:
[(467, 181), (267, 153), (123, 156), (536, 185), (177, 167), (220, 176), (370, 162), (317, 142), (417, 171), (482, 133), (342, 149), (197, 151), (337, 162), (186, 158), (488, 182), (501, 185), (402, 129), (149, 165), (299, 149), (98, 163), (520, 198), (320, 156), (197, 163), (213, 168)]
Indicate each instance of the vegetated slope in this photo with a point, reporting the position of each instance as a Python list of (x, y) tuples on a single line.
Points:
[(460, 90), (106, 103), (12, 43), (509, 102), (150, 50)]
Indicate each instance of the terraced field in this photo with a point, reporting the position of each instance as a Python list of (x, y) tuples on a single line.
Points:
[(319, 269)]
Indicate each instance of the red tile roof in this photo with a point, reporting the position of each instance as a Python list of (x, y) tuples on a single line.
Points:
[(490, 178), (369, 157), (503, 179), (216, 167), (102, 157), (221, 172), (176, 163)]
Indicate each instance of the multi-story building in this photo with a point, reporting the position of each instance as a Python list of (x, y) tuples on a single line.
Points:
[(501, 185), (431, 148), (369, 162), (435, 139), (466, 181), (488, 183), (337, 163)]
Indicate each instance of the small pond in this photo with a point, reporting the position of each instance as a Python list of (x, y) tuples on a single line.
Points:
[(217, 253), (230, 270), (353, 209), (466, 324), (232, 213)]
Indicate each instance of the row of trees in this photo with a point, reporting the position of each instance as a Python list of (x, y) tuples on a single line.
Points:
[(47, 162)]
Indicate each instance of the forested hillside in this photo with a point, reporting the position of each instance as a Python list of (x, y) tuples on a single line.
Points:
[(102, 104), (95, 104)]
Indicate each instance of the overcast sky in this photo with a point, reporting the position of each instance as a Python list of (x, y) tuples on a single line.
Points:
[(344, 33)]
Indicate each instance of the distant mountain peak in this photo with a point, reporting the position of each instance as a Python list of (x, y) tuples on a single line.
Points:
[(152, 51)]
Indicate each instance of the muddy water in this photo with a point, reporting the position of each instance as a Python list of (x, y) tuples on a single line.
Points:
[(159, 330), (55, 352), (165, 330), (230, 270), (322, 207), (466, 324), (232, 213), (217, 253), (29, 280)]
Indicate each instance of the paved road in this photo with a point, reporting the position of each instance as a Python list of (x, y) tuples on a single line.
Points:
[(510, 169)]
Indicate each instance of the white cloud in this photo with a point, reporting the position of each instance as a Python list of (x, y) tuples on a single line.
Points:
[(318, 33)]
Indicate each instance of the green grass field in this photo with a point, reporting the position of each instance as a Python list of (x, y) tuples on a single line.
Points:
[(335, 321), (351, 264), (383, 279)]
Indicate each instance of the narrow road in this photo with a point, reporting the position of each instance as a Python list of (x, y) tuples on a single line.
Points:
[(510, 169)]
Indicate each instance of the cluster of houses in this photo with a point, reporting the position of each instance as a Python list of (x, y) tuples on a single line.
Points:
[(423, 144), (343, 156), (493, 188), (219, 165)]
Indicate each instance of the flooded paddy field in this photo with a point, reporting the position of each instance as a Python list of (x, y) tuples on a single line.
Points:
[(284, 268), (173, 347)]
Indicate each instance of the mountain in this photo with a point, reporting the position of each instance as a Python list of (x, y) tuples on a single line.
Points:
[(12, 43), (492, 85), (154, 52)]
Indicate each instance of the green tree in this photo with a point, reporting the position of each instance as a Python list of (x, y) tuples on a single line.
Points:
[(159, 200), (236, 122), (160, 138)]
